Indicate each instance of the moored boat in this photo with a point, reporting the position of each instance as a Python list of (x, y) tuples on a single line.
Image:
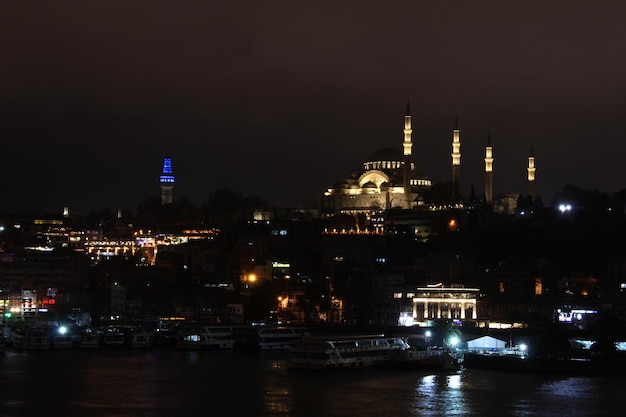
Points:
[(86, 338), (140, 339), (344, 352), (552, 365), (206, 337), (60, 338), (31, 338), (431, 359), (111, 336), (269, 338)]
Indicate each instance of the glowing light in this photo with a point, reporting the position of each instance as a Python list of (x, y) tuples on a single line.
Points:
[(454, 381), (406, 319)]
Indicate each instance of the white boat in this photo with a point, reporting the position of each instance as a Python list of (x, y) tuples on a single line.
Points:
[(60, 338), (86, 338), (111, 337), (31, 338), (269, 338), (140, 339), (424, 359), (206, 338), (344, 352)]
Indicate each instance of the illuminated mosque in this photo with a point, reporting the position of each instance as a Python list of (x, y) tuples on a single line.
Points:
[(389, 179)]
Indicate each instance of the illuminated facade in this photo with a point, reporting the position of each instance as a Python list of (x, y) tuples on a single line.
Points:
[(167, 181), (143, 246), (388, 179), (439, 302)]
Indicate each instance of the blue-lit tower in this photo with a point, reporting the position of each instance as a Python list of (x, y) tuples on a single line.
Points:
[(167, 181)]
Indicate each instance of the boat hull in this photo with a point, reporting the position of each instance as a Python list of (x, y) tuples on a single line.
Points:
[(344, 353), (573, 366)]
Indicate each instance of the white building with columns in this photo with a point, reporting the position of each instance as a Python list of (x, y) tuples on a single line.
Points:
[(439, 302)]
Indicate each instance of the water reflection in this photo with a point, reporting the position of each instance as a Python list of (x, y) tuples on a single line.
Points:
[(278, 395), (160, 383), (440, 394)]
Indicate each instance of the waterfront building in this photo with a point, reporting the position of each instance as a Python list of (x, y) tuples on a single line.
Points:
[(421, 305)]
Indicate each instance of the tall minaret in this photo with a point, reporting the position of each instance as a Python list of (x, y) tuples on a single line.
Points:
[(407, 145), (167, 181), (531, 175), (456, 161), (488, 170)]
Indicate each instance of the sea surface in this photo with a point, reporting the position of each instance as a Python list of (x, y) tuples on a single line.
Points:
[(172, 382)]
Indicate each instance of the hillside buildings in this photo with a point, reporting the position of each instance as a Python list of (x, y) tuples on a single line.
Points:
[(385, 246)]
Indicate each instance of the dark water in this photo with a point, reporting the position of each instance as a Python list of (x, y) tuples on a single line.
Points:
[(170, 382)]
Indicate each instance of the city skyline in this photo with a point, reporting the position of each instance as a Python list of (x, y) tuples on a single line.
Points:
[(282, 101)]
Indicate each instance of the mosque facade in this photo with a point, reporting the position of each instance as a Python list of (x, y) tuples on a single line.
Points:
[(387, 179)]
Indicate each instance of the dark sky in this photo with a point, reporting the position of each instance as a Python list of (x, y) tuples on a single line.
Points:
[(281, 99)]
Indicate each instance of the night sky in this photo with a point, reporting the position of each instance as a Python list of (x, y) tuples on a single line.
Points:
[(282, 99)]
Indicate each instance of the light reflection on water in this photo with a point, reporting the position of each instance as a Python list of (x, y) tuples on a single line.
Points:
[(439, 394), (172, 383)]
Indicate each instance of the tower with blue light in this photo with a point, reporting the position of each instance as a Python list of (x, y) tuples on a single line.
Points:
[(167, 181)]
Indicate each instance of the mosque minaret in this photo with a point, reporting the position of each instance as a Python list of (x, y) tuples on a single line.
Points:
[(488, 170), (531, 175), (456, 162), (390, 179), (407, 146)]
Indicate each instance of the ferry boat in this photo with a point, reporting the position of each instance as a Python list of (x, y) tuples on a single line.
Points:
[(569, 365), (86, 338), (424, 359), (140, 339), (344, 352), (60, 338), (31, 338), (206, 338), (269, 338), (111, 337)]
